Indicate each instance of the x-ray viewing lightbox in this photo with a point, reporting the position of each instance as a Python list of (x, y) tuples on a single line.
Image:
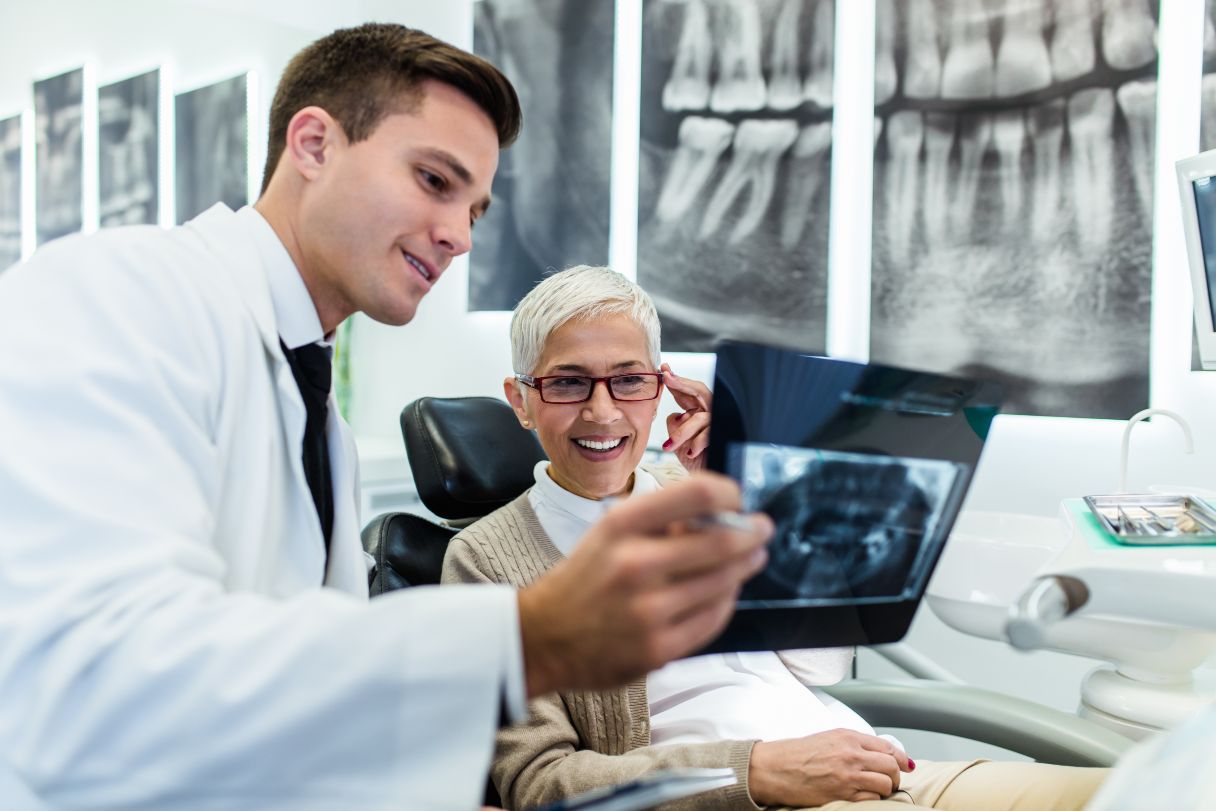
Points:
[(862, 468), (1197, 185)]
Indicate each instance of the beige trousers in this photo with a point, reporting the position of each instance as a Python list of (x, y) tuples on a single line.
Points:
[(983, 785)]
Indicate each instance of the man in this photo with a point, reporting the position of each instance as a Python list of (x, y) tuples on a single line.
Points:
[(168, 515)]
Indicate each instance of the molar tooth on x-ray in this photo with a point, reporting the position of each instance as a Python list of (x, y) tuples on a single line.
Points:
[(1022, 61), (1138, 102), (688, 86), (1046, 126), (785, 85), (1091, 114), (968, 71), (702, 142), (1129, 34), (974, 136), (1009, 137), (758, 146), (817, 88), (1072, 44), (740, 84), (923, 61), (813, 142), (939, 138), (905, 132), (885, 78)]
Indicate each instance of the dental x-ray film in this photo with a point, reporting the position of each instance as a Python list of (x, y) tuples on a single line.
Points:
[(862, 468)]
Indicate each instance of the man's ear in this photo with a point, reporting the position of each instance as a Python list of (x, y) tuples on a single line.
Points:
[(510, 388), (311, 135)]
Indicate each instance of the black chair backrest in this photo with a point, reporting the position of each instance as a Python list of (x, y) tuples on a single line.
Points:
[(469, 456)]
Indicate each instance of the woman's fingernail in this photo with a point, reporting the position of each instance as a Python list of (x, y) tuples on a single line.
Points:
[(911, 764), (667, 445)]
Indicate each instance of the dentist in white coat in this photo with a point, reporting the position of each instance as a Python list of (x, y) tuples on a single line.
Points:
[(174, 632)]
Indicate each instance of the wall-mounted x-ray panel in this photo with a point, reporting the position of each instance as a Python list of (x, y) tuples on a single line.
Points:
[(1207, 130), (552, 191), (212, 147), (1013, 197), (128, 115), (59, 154), (10, 191), (735, 162)]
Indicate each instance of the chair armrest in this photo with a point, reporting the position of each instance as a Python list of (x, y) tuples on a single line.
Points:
[(1045, 734)]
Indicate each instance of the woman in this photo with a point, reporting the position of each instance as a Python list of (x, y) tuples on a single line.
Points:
[(585, 344)]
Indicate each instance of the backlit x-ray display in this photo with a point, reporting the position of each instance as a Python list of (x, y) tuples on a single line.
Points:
[(848, 526), (59, 154), (862, 468), (735, 169), (1013, 196), (128, 114), (10, 191)]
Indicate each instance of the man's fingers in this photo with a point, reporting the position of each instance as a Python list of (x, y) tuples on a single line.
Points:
[(653, 513), (694, 552)]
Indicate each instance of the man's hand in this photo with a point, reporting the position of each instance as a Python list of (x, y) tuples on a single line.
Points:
[(688, 431), (823, 768), (644, 586)]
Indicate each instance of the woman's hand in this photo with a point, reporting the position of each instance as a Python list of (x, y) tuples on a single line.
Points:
[(688, 431), (819, 769)]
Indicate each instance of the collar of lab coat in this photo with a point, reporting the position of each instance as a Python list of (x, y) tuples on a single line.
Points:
[(242, 260)]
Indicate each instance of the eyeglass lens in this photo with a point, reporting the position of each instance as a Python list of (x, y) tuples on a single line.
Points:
[(622, 387)]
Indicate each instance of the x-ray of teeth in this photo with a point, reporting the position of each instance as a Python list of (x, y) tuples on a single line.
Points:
[(10, 191), (1013, 199), (552, 190), (735, 161), (212, 148), (59, 154), (128, 124), (847, 525), (1207, 127)]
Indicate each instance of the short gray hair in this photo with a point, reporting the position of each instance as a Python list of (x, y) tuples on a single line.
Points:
[(583, 293)]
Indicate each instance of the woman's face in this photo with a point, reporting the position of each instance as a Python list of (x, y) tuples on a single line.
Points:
[(611, 345)]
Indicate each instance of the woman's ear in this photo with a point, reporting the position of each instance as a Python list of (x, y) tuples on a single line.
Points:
[(510, 388)]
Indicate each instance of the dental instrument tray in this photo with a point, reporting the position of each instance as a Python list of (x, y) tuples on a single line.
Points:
[(1155, 519)]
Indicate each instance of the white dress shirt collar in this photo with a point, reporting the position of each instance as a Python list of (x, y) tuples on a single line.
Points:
[(565, 516), (294, 310)]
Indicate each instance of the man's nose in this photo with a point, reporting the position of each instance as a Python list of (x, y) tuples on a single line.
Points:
[(454, 234)]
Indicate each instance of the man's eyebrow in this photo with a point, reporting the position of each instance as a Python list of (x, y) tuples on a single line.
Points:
[(462, 173)]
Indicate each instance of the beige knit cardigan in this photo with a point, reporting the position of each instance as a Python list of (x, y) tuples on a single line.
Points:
[(576, 741)]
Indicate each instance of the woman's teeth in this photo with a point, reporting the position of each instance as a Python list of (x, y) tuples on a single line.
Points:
[(600, 446)]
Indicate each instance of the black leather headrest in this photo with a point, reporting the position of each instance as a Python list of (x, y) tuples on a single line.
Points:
[(469, 455)]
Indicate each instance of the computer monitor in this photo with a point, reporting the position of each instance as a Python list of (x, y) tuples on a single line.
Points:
[(1197, 185)]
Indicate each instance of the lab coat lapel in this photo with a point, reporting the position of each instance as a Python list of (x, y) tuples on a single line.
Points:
[(240, 260), (347, 564)]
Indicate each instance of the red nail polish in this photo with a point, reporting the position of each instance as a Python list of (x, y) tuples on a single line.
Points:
[(911, 764), (667, 445)]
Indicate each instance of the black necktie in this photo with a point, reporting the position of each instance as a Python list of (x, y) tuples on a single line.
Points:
[(313, 372)]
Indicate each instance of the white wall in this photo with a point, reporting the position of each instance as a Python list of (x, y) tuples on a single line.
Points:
[(1031, 463)]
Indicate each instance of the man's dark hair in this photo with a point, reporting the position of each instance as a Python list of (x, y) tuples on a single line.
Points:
[(360, 75)]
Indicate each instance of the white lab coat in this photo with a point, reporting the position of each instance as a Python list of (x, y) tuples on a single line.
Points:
[(164, 642)]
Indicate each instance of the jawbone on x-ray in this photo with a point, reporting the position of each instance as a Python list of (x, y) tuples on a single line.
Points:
[(848, 526)]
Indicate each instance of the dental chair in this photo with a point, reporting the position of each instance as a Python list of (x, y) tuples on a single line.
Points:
[(470, 456)]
